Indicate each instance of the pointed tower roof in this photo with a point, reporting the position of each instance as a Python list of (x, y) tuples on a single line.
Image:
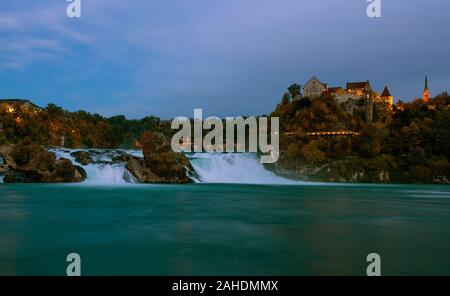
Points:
[(386, 92), (426, 82)]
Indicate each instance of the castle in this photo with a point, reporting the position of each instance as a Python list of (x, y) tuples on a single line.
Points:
[(352, 91), (353, 95)]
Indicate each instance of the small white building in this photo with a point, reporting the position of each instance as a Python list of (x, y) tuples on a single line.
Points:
[(314, 88)]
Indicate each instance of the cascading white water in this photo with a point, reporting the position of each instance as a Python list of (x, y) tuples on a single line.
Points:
[(244, 168), (107, 174), (103, 171)]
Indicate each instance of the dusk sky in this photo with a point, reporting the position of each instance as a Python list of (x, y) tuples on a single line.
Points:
[(229, 57)]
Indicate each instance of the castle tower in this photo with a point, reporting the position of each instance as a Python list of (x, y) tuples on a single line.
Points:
[(426, 92), (386, 97)]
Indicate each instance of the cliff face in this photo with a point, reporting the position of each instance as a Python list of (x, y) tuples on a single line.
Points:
[(383, 169), (30, 163), (336, 172), (348, 172)]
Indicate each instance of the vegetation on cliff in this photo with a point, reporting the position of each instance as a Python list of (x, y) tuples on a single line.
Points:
[(408, 143), (30, 163), (55, 126)]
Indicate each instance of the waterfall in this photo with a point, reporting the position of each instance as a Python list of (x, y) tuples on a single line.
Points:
[(1, 178), (233, 168), (244, 168), (103, 170), (107, 174)]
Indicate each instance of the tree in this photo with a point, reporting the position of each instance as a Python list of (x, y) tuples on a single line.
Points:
[(293, 151), (285, 99), (312, 153), (305, 102), (372, 138), (410, 137), (294, 91)]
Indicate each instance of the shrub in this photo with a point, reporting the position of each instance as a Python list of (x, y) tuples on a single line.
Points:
[(312, 153), (293, 151), (24, 152)]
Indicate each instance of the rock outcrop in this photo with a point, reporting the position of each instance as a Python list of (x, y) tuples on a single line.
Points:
[(30, 163), (160, 163), (143, 174), (340, 171), (82, 157)]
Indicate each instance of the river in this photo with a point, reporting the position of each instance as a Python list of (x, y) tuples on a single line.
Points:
[(218, 227), (224, 229)]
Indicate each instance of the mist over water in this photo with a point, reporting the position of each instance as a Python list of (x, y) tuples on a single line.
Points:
[(106, 174), (236, 168), (103, 171), (232, 168)]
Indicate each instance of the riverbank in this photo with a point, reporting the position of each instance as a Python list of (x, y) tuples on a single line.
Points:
[(355, 170)]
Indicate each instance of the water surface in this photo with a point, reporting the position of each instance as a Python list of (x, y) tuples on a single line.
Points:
[(224, 229)]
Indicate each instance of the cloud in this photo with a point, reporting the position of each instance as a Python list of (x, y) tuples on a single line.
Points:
[(36, 34), (234, 56)]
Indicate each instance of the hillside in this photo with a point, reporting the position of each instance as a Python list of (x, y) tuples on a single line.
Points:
[(409, 142), (52, 125)]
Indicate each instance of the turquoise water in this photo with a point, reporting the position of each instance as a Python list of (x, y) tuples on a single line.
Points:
[(208, 229)]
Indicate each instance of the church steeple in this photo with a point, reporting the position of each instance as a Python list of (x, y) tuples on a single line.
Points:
[(426, 92)]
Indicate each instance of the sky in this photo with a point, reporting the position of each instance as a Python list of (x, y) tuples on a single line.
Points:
[(228, 57)]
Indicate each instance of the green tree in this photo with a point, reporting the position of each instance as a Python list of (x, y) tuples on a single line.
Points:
[(372, 139)]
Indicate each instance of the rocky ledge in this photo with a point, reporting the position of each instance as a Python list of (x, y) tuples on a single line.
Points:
[(160, 163), (30, 163)]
